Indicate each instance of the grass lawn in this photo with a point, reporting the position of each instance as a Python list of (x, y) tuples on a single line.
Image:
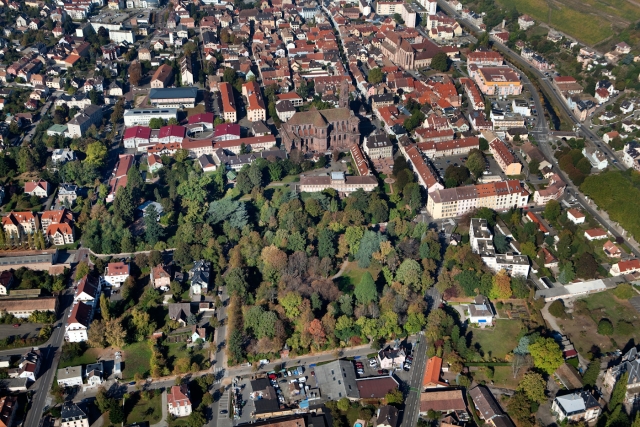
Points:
[(178, 422), (89, 356), (136, 359), (178, 350), (499, 341), (573, 18), (582, 329), (352, 276), (502, 377), (198, 109), (138, 410)]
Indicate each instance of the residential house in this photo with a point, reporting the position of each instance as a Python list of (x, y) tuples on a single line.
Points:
[(378, 146), (180, 312), (161, 276), (6, 280), (78, 323), (480, 312), (163, 77), (94, 373), (22, 308), (630, 364), (387, 416), (88, 290), (115, 274), (73, 416), (625, 267), (178, 401), (595, 234), (19, 224), (154, 162), (576, 216), (60, 156), (485, 403), (445, 401), (67, 194), (611, 250), (631, 155), (504, 157), (577, 406), (90, 115), (69, 376), (198, 333), (390, 358), (553, 191), (199, 276), (37, 188), (8, 407), (28, 366), (431, 377)]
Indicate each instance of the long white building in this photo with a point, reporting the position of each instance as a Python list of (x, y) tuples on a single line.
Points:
[(499, 196), (481, 240), (142, 116)]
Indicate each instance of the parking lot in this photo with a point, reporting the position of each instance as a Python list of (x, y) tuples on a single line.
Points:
[(442, 163)]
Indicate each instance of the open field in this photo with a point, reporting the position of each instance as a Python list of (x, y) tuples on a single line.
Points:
[(89, 356), (582, 328), (498, 341), (502, 377), (352, 276), (136, 359), (138, 409), (589, 21)]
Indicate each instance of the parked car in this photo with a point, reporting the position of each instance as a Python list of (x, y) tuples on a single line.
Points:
[(373, 362)]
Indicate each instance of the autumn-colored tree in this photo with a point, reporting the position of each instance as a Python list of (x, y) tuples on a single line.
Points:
[(135, 73), (275, 260), (317, 332), (501, 288)]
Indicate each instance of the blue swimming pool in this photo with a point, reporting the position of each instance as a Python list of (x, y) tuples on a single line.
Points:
[(358, 425)]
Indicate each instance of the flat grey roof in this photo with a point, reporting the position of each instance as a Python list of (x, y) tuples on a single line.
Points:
[(178, 92)]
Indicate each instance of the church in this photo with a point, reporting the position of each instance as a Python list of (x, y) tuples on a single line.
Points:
[(319, 131)]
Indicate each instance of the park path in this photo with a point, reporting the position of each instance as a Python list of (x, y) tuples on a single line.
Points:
[(341, 271), (553, 324), (163, 420)]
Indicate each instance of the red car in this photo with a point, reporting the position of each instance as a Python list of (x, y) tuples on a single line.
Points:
[(16, 325)]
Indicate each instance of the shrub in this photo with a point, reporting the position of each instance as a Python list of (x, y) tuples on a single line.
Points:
[(605, 327), (625, 328), (624, 291), (557, 309)]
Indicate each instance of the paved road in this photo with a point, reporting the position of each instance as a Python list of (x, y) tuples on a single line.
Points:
[(50, 358), (412, 399)]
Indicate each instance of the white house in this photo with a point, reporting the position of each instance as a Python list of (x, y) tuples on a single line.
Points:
[(625, 267), (78, 323), (178, 401), (70, 376), (480, 312), (93, 374), (39, 188), (88, 290), (576, 407), (597, 159), (596, 234), (575, 216), (199, 275), (115, 274), (391, 358), (27, 367)]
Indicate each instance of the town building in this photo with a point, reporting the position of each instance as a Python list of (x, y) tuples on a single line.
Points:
[(481, 240), (229, 109), (115, 274), (70, 376), (480, 312), (553, 191), (596, 157), (595, 234), (485, 403), (38, 188), (256, 110), (390, 8), (625, 267), (119, 177), (391, 358), (186, 71), (161, 276), (28, 366), (505, 158), (23, 308), (575, 407), (199, 277), (142, 116), (431, 377), (73, 416), (454, 202), (496, 81), (78, 323), (180, 97), (90, 115), (630, 364), (631, 155), (576, 216), (445, 401), (611, 250), (163, 77), (338, 181), (378, 146), (178, 401)]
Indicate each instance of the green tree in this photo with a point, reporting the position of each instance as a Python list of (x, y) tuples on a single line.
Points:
[(82, 269), (375, 76), (326, 243), (344, 404), (156, 123), (196, 419), (605, 327), (409, 272), (116, 414), (440, 62), (591, 374), (619, 391), (484, 144), (365, 291), (153, 230), (394, 397), (533, 385), (104, 307), (369, 244), (475, 163), (546, 355), (96, 154), (534, 167), (552, 210), (557, 309), (236, 347)]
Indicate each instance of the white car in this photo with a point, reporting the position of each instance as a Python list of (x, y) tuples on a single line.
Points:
[(373, 363)]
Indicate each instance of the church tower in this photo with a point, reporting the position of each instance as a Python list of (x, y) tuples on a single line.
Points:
[(344, 94)]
